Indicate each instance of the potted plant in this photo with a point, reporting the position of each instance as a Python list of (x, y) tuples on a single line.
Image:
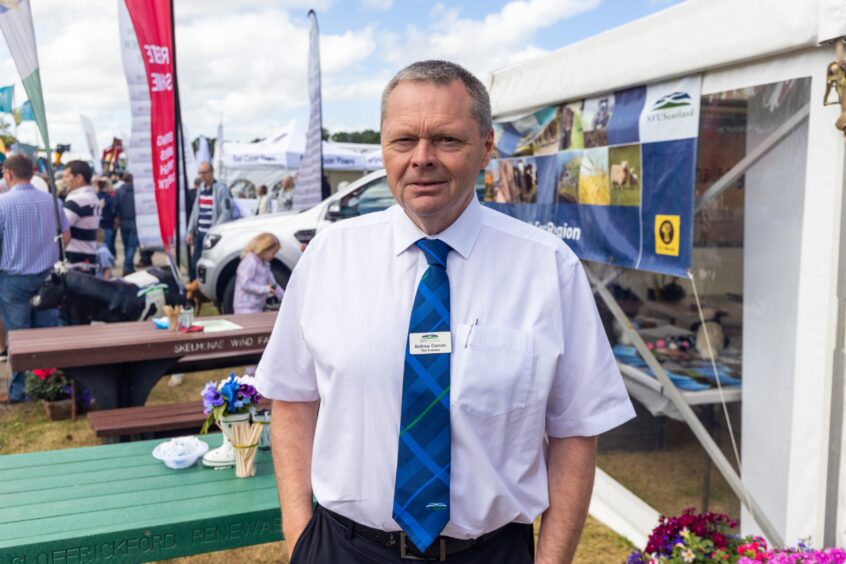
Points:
[(231, 404), (54, 389), (707, 537)]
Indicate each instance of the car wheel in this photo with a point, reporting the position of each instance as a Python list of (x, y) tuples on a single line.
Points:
[(228, 303), (280, 273)]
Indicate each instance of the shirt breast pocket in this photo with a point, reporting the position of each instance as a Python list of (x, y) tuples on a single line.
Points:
[(494, 375)]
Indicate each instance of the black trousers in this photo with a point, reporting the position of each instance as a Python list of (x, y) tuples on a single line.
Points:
[(326, 541)]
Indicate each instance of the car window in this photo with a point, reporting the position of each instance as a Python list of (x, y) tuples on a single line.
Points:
[(372, 197)]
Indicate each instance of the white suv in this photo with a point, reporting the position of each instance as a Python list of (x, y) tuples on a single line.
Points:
[(223, 243)]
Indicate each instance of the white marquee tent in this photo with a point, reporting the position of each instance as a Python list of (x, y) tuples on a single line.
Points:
[(790, 266), (269, 161), (285, 148)]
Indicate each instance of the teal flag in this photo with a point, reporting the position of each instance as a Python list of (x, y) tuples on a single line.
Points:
[(24, 113), (7, 94)]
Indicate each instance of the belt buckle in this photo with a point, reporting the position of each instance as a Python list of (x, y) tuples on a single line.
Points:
[(404, 549)]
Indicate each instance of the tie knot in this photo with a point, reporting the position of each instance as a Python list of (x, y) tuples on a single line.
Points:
[(435, 251)]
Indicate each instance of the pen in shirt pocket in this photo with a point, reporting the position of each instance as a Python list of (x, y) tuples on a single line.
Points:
[(470, 332)]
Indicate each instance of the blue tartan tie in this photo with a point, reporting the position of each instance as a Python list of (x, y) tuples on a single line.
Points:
[(421, 495)]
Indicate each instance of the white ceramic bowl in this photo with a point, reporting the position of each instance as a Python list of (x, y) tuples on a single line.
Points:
[(181, 452)]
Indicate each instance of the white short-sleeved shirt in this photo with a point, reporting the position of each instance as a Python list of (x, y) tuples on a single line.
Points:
[(537, 362)]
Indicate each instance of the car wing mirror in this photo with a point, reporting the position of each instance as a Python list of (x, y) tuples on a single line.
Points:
[(334, 211)]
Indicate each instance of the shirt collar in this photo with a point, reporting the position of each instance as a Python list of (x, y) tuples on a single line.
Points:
[(461, 235), (87, 188), (23, 186)]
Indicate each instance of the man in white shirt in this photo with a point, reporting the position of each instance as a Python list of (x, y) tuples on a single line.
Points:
[(82, 208), (435, 389)]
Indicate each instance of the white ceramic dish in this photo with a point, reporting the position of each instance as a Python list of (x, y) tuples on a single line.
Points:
[(181, 452)]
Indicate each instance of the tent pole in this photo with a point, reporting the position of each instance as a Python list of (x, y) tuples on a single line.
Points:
[(177, 126), (756, 154), (831, 527), (52, 183), (673, 393)]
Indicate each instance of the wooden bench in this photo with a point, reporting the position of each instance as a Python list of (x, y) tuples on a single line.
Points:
[(129, 421), (184, 417), (116, 502)]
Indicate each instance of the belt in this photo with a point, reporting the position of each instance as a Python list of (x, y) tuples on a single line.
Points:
[(439, 550)]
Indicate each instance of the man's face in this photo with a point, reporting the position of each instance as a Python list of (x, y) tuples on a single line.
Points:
[(206, 174), (72, 181), (432, 150)]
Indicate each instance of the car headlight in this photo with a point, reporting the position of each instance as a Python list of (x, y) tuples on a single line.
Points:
[(210, 240)]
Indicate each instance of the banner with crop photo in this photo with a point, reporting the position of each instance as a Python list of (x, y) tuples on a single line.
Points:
[(613, 176)]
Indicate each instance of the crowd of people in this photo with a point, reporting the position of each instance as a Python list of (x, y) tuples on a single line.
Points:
[(88, 214)]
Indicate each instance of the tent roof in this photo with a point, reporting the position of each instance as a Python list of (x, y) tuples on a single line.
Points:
[(284, 148), (682, 40)]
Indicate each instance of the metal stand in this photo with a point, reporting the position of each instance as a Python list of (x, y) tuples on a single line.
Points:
[(699, 430)]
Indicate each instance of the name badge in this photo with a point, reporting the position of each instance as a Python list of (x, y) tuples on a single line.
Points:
[(430, 343)]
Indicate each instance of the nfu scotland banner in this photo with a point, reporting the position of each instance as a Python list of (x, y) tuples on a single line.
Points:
[(612, 175)]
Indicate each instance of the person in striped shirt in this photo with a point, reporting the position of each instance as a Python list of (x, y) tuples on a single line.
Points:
[(82, 208), (213, 204)]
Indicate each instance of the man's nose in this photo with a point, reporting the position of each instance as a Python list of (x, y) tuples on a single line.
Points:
[(424, 154)]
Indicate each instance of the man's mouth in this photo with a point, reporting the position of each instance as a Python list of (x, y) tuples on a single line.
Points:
[(426, 184)]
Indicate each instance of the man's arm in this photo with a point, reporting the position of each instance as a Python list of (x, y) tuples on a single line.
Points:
[(572, 462), (292, 435), (66, 237)]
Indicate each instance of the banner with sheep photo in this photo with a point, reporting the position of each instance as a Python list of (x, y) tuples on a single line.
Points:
[(612, 175)]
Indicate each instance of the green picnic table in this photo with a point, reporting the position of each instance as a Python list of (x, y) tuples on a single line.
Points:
[(118, 503)]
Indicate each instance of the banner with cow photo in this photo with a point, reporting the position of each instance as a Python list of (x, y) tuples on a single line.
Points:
[(612, 175)]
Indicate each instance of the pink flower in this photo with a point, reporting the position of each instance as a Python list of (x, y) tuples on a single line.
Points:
[(44, 373)]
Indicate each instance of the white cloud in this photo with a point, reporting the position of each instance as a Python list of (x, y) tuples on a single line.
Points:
[(482, 45), (247, 62)]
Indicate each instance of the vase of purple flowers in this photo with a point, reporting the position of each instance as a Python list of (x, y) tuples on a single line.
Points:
[(230, 405)]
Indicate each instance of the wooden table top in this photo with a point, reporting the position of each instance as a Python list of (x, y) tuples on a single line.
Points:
[(117, 502), (92, 345)]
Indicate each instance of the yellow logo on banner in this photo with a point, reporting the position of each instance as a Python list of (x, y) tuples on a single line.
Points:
[(667, 232)]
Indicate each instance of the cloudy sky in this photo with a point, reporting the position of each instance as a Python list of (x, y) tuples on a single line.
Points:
[(247, 59)]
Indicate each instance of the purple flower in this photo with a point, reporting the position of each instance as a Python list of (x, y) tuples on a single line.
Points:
[(249, 393), (211, 398)]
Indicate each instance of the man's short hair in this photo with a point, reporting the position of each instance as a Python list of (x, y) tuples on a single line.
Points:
[(20, 166), (208, 164), (127, 177), (82, 168), (443, 73)]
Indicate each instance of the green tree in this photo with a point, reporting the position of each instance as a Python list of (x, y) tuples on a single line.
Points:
[(366, 136)]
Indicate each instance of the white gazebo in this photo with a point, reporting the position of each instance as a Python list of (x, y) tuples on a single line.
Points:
[(779, 247)]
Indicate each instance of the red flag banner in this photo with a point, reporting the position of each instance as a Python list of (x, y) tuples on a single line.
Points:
[(152, 22)]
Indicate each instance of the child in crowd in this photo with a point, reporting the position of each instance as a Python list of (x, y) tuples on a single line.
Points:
[(254, 281), (105, 258)]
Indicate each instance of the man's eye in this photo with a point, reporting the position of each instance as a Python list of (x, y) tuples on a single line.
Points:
[(403, 142)]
